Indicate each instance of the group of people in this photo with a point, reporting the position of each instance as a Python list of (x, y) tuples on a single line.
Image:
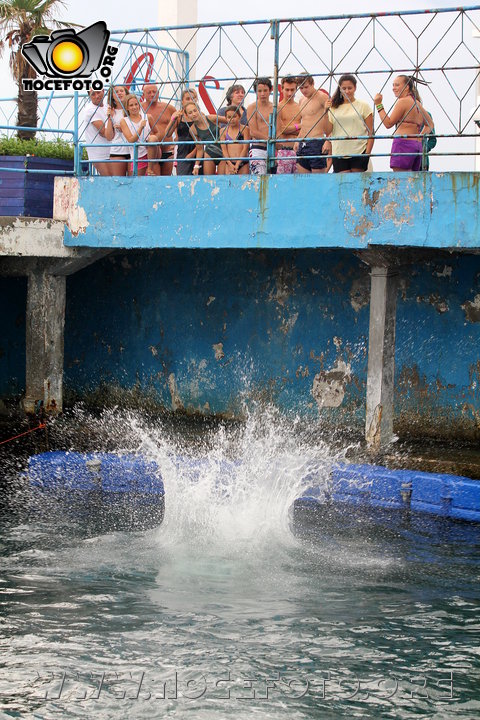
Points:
[(311, 135)]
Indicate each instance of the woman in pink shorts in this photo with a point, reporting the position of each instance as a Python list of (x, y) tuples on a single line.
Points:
[(411, 121)]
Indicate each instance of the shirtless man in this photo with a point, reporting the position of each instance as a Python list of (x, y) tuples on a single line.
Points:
[(313, 127), (258, 114), (288, 125), (161, 113)]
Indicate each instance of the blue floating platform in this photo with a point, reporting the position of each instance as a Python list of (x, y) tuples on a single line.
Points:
[(376, 487), (103, 490)]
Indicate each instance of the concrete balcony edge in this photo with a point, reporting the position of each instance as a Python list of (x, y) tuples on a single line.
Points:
[(354, 211)]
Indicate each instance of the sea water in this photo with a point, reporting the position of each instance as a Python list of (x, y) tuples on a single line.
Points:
[(229, 609)]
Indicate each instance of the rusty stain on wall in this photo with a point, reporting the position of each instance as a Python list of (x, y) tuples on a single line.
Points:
[(360, 293), (370, 200), (218, 350), (446, 272), (285, 281), (471, 308), (439, 303), (328, 387), (288, 323), (172, 386)]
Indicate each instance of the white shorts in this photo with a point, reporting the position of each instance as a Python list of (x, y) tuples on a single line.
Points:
[(258, 160), (98, 154)]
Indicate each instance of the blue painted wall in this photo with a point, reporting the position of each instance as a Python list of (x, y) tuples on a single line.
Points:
[(208, 329), (438, 210), (12, 340), (438, 345), (230, 325)]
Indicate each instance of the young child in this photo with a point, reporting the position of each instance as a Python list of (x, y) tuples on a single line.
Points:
[(232, 147), (136, 128)]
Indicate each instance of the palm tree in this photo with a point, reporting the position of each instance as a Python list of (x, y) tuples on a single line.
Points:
[(20, 20)]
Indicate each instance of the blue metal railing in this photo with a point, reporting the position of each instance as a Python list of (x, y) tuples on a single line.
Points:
[(438, 45)]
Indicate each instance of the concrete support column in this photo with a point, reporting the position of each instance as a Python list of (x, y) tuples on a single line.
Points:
[(44, 341), (381, 357), (180, 12)]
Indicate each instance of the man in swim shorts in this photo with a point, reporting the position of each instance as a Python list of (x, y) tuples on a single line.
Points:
[(161, 114), (311, 151), (258, 114), (288, 119)]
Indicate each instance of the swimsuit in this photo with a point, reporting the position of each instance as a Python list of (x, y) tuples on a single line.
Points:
[(212, 149), (286, 161), (237, 139), (258, 158), (310, 148), (184, 167), (412, 147), (411, 161)]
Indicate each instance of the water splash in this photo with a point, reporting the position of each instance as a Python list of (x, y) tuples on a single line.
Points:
[(234, 494)]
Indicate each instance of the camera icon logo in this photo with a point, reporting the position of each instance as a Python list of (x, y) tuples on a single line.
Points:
[(67, 54)]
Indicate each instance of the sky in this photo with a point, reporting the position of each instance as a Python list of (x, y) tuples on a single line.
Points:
[(146, 14)]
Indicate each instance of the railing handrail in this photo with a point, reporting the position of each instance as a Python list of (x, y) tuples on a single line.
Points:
[(318, 18), (447, 100)]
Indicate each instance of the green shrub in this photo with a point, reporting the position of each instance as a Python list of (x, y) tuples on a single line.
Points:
[(41, 148)]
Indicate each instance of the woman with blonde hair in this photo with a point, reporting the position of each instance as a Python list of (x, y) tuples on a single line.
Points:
[(119, 152), (136, 129), (411, 121), (185, 149)]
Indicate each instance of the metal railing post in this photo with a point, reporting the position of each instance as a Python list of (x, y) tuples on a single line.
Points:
[(272, 130), (76, 149)]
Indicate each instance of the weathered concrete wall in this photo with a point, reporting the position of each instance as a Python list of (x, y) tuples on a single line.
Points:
[(437, 377), (286, 211), (13, 298), (204, 330)]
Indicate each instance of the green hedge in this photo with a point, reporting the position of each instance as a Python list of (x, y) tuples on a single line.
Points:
[(41, 148)]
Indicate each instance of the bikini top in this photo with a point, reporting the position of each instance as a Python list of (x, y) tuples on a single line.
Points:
[(237, 139), (412, 122)]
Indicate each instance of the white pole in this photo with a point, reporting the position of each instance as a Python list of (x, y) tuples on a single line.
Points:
[(180, 12), (476, 34)]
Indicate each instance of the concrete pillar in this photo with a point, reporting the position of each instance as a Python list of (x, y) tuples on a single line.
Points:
[(180, 12), (44, 341), (381, 357)]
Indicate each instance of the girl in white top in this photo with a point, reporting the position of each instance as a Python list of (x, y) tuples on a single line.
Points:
[(136, 128), (119, 152), (352, 118)]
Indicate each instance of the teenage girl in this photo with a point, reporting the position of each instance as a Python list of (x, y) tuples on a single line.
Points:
[(410, 118), (136, 128), (119, 152), (230, 138), (205, 128), (353, 119), (186, 150)]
